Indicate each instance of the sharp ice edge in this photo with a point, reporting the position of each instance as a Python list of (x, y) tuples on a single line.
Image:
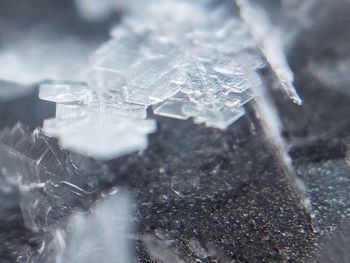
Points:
[(188, 65), (184, 66), (270, 41), (53, 183), (57, 190), (104, 235), (94, 127), (272, 47)]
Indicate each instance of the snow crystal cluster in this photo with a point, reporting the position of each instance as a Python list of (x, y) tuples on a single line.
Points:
[(81, 117), (185, 59), (58, 192), (184, 66)]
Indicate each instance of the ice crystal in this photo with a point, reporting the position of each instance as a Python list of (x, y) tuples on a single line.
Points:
[(270, 40), (80, 116), (185, 59), (186, 65), (53, 183)]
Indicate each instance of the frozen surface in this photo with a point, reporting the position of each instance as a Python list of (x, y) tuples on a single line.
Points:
[(89, 126), (203, 194), (52, 182), (200, 63), (188, 65)]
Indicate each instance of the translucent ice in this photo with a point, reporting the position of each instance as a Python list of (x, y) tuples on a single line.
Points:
[(183, 58), (270, 40), (104, 235), (90, 126), (187, 65), (65, 92), (52, 182)]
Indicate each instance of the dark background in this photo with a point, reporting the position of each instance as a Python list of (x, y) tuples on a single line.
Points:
[(235, 200)]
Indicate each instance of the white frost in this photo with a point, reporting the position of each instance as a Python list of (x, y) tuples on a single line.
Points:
[(103, 236), (182, 58)]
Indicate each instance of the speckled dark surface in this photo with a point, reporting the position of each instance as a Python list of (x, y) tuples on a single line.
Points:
[(204, 195)]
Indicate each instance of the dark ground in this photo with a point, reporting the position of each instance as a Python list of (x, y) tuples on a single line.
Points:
[(204, 195)]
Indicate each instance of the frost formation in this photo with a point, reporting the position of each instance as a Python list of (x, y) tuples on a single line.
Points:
[(52, 182), (185, 59), (104, 235), (56, 192)]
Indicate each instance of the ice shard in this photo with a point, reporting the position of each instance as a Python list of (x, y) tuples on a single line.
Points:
[(186, 66), (270, 39), (89, 126), (53, 183), (201, 63)]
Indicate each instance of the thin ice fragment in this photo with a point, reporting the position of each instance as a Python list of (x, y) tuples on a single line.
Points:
[(88, 126), (271, 42), (65, 92), (120, 135), (200, 63), (191, 70), (52, 183)]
